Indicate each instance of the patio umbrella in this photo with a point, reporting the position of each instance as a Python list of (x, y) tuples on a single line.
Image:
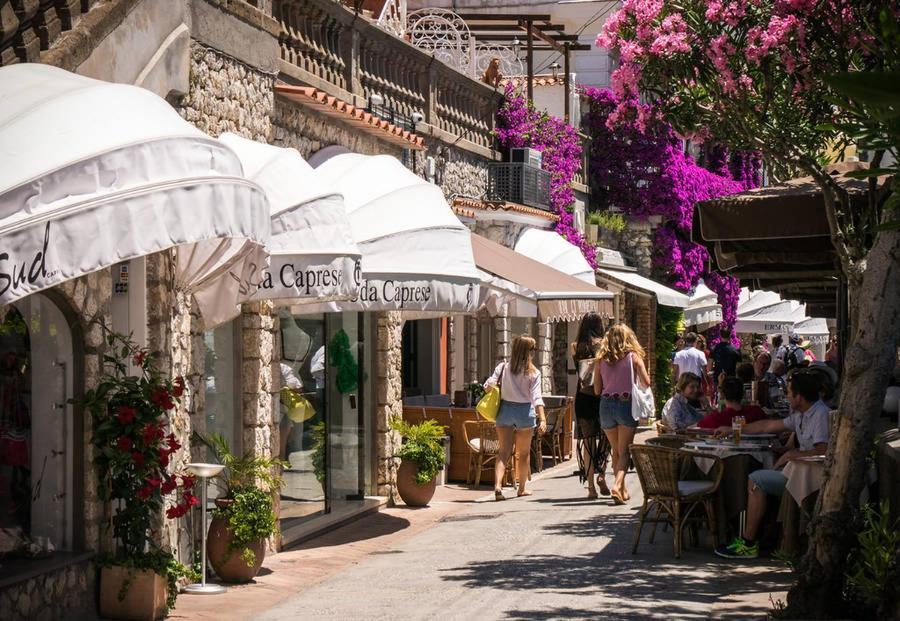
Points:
[(93, 173)]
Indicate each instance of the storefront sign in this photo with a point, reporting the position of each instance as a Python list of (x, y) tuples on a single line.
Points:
[(292, 277)]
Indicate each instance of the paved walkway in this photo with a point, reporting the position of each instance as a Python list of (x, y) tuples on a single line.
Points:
[(554, 555)]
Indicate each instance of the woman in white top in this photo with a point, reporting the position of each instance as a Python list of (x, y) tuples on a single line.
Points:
[(520, 400)]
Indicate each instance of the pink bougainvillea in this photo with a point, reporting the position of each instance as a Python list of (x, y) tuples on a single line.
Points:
[(520, 125)]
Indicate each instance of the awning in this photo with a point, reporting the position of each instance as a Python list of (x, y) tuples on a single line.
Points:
[(93, 173), (752, 301), (513, 279), (416, 254), (664, 295), (312, 252), (814, 329), (703, 310), (551, 248), (778, 318)]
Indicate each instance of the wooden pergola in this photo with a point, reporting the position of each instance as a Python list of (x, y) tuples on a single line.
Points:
[(540, 35)]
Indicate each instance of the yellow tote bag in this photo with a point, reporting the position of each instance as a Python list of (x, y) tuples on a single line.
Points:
[(299, 409), (489, 405)]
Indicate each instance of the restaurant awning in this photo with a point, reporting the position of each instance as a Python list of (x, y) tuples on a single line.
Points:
[(551, 248), (664, 295), (514, 279), (814, 329), (312, 252), (750, 301), (416, 254), (93, 173), (703, 310), (778, 318)]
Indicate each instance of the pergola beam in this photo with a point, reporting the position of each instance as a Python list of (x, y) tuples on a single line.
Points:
[(505, 17)]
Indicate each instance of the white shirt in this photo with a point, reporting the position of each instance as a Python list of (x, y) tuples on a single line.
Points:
[(524, 388), (810, 426), (691, 360)]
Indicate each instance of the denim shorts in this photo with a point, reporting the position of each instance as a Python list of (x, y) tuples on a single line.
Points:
[(518, 415), (771, 482), (614, 412)]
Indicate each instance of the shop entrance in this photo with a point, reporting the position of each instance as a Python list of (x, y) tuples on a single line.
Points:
[(38, 453)]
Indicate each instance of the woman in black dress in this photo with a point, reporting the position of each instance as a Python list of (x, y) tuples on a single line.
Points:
[(594, 451)]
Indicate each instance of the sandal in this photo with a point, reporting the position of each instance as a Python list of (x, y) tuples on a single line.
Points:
[(524, 493), (617, 500), (498, 495), (604, 488)]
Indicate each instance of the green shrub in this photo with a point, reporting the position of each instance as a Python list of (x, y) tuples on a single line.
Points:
[(250, 518), (668, 322), (609, 220), (872, 569)]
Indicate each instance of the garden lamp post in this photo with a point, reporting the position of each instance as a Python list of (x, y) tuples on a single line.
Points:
[(204, 471)]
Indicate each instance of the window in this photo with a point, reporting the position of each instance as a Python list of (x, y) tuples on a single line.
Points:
[(222, 410)]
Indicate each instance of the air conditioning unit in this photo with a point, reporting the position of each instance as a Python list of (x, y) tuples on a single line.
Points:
[(530, 157)]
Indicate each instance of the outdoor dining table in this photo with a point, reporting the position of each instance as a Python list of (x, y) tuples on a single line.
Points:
[(805, 477)]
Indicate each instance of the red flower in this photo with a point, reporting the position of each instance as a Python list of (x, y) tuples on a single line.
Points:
[(178, 384), (161, 398), (187, 481), (125, 414), (169, 485), (153, 482), (175, 512), (163, 458), (138, 458), (149, 433), (139, 358), (173, 443), (190, 500), (145, 492), (124, 444)]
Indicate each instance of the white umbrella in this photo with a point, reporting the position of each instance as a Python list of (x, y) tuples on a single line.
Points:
[(551, 248), (703, 309), (93, 173), (776, 318), (312, 252), (416, 254)]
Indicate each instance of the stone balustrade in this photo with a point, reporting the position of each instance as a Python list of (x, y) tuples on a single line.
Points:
[(327, 45), (28, 27)]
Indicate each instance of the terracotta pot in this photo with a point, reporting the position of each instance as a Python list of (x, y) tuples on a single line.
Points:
[(413, 494), (145, 598), (227, 563)]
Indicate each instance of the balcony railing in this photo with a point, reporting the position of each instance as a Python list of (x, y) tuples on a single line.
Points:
[(331, 46), (519, 183)]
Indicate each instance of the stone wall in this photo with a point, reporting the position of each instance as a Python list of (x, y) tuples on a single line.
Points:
[(637, 244), (560, 358), (502, 339), (544, 355), (502, 232), (459, 172), (388, 399), (63, 593), (260, 378)]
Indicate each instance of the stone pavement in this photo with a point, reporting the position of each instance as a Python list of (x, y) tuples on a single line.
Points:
[(553, 555)]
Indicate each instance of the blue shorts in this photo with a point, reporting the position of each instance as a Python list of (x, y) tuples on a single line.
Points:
[(615, 412), (771, 482), (518, 415)]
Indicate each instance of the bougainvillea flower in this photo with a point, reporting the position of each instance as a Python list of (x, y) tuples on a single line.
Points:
[(124, 443), (178, 386), (161, 398), (138, 458), (125, 414)]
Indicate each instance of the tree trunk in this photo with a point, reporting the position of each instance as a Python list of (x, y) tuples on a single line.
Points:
[(869, 363)]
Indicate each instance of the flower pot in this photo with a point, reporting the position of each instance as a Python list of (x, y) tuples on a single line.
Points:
[(413, 494), (593, 233), (144, 599), (227, 563)]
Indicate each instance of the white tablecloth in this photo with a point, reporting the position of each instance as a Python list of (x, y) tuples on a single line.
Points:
[(804, 477), (762, 454)]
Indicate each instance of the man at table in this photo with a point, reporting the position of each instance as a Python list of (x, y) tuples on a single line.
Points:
[(731, 391), (809, 422)]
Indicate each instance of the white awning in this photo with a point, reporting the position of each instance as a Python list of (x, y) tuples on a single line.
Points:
[(664, 295), (93, 173), (814, 329), (703, 310), (751, 301), (312, 252), (774, 319), (551, 248), (416, 254)]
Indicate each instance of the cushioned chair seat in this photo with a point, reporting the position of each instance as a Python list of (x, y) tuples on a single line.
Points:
[(691, 488)]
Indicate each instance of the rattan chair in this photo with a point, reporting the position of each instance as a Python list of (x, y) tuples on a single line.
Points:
[(668, 441), (484, 448), (553, 438), (674, 500)]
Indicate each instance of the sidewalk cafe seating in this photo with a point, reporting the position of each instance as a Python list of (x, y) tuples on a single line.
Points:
[(669, 441), (484, 448), (673, 499), (552, 439)]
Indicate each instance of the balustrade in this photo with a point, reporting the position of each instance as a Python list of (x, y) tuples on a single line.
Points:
[(28, 27), (337, 47)]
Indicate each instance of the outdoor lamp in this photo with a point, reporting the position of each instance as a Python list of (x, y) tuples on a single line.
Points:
[(555, 67), (375, 100), (516, 46)]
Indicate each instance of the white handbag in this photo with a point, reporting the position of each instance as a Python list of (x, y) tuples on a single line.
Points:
[(642, 404)]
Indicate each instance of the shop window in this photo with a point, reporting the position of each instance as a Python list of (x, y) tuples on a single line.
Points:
[(222, 405), (38, 455)]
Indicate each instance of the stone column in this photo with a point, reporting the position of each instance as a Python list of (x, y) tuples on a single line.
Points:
[(544, 358), (560, 385), (502, 342), (388, 399), (260, 379), (471, 349), (452, 371), (637, 244)]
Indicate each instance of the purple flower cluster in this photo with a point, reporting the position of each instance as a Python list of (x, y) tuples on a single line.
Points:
[(638, 165), (520, 125)]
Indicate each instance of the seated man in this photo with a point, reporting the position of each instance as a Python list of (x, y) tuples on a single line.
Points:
[(731, 392), (678, 413), (809, 422)]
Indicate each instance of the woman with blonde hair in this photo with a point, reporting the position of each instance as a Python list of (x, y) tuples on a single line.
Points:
[(621, 359), (520, 405)]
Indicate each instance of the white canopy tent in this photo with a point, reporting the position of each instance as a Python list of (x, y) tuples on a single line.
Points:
[(778, 318), (751, 301), (665, 296), (416, 254), (550, 248), (93, 173), (312, 252), (703, 310)]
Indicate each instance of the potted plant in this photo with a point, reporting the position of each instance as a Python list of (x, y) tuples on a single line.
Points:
[(133, 447), (593, 227), (422, 458), (244, 517)]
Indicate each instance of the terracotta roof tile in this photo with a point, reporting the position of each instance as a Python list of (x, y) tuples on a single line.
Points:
[(483, 205)]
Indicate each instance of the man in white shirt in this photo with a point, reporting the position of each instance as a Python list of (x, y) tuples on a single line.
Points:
[(690, 359), (809, 422)]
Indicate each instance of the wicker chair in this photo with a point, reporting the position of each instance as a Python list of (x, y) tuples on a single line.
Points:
[(668, 441), (553, 438), (673, 500), (484, 448)]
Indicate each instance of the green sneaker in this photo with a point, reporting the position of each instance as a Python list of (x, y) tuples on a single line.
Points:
[(738, 549)]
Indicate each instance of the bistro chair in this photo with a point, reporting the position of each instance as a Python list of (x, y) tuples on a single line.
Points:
[(484, 448), (669, 441), (674, 500), (553, 438)]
